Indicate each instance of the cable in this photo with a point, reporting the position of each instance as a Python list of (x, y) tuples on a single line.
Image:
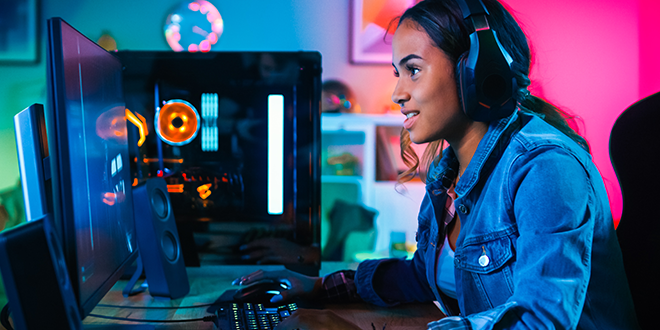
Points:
[(153, 307), (4, 317), (210, 318)]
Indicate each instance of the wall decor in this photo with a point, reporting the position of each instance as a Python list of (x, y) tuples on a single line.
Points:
[(193, 26), (18, 31), (371, 42)]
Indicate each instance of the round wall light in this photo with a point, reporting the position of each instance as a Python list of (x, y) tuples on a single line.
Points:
[(193, 26)]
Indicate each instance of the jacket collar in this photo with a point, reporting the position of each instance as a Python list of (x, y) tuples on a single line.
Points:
[(443, 171)]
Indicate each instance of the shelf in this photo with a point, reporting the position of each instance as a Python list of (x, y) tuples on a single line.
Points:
[(341, 179), (360, 136), (337, 122)]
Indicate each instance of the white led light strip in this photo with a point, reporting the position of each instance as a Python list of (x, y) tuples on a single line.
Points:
[(275, 154)]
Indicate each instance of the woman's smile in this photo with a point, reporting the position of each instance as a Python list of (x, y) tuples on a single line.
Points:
[(411, 117)]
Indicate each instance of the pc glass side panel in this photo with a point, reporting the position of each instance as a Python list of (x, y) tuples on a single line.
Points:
[(249, 158), (89, 161)]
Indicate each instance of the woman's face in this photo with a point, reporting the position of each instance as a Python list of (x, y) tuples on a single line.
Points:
[(426, 87)]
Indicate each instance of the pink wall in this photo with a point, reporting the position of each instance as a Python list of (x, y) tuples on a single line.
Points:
[(649, 47), (586, 61)]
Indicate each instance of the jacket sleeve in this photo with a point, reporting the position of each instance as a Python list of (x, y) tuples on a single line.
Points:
[(389, 282), (552, 198)]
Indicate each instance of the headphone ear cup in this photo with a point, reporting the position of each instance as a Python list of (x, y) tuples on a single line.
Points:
[(463, 83)]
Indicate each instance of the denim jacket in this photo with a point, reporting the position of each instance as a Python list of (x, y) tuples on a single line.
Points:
[(537, 247)]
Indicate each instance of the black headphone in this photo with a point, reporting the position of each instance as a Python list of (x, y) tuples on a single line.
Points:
[(486, 83)]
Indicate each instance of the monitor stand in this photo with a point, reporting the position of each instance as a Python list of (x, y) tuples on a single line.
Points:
[(128, 289)]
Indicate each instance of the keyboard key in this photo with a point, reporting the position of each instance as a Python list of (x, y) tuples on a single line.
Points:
[(249, 316)]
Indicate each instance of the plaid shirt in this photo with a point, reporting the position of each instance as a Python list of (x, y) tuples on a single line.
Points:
[(340, 287)]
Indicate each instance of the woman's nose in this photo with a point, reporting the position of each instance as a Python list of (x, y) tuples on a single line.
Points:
[(399, 96)]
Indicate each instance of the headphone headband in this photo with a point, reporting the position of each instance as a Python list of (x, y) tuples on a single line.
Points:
[(475, 7)]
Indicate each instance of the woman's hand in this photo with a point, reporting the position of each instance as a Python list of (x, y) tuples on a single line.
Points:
[(300, 285), (316, 319)]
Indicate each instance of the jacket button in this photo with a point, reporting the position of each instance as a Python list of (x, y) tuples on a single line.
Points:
[(484, 260), (463, 209)]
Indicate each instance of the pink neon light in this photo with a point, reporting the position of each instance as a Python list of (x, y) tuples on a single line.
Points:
[(193, 48), (212, 38), (205, 46), (218, 26), (194, 6)]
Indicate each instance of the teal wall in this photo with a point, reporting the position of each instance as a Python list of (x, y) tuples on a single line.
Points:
[(320, 25)]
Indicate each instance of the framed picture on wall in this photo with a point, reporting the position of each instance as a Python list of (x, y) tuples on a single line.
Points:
[(18, 31), (371, 41)]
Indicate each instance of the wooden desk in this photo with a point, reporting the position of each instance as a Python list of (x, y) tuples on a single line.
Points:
[(207, 283)]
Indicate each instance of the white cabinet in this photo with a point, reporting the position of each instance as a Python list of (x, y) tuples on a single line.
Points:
[(350, 164)]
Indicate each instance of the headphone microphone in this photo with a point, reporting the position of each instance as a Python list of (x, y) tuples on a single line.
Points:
[(486, 82)]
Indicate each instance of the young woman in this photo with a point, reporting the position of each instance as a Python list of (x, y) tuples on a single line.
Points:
[(515, 230)]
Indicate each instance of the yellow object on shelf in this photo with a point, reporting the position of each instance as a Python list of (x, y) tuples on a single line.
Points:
[(344, 164)]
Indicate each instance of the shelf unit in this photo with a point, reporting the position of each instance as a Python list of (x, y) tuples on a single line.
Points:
[(356, 134)]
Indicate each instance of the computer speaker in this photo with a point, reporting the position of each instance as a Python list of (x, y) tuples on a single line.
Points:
[(36, 279), (158, 240)]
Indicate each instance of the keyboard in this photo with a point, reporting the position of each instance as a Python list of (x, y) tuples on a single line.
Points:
[(249, 316)]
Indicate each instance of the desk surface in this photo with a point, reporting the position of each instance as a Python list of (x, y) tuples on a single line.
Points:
[(207, 283)]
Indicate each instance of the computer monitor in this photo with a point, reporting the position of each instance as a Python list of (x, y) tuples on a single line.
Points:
[(236, 135), (88, 151), (33, 161)]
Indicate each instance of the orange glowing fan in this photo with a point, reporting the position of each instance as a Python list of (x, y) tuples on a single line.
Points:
[(177, 122)]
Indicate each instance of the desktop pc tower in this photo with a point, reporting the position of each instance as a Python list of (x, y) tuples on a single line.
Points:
[(236, 137)]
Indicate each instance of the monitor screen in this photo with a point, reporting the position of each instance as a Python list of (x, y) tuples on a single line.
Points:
[(87, 139), (236, 135)]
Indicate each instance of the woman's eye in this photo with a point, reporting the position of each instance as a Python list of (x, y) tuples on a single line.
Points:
[(414, 71), (396, 73)]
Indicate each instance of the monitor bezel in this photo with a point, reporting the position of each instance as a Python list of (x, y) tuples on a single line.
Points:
[(58, 142)]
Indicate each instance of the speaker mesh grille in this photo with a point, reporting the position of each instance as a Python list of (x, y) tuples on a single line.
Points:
[(159, 204), (170, 246)]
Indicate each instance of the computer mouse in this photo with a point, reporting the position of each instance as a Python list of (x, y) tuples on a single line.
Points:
[(260, 292)]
